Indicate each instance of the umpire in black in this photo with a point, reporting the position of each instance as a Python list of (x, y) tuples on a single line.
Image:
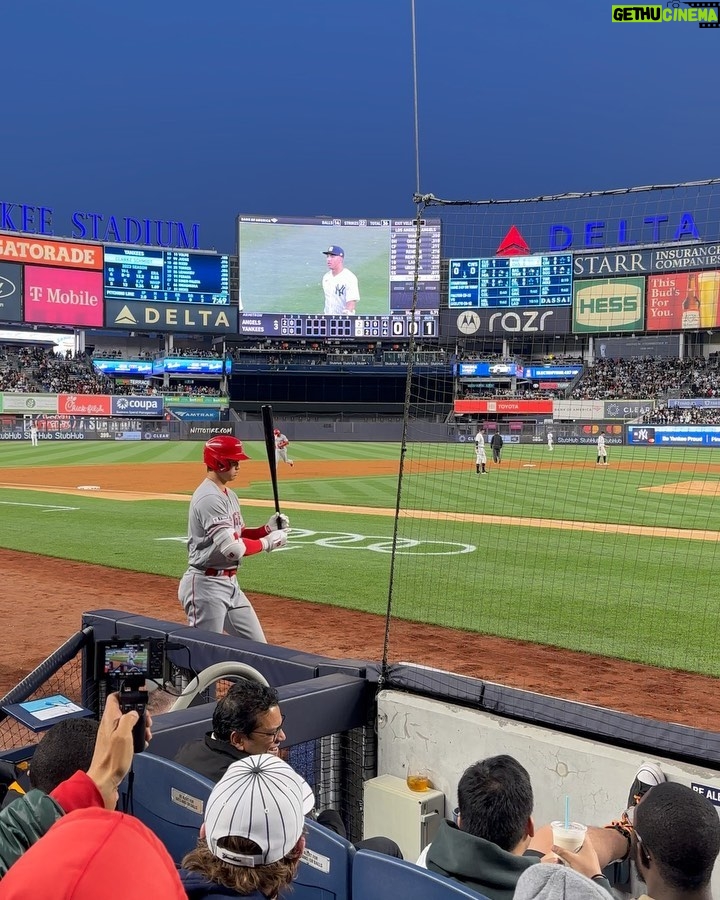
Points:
[(496, 443)]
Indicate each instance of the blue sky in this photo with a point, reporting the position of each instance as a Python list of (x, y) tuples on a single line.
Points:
[(198, 112)]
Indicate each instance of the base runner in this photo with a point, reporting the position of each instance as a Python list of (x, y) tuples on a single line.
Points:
[(218, 540)]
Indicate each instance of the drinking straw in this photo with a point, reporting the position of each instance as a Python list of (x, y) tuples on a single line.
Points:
[(567, 810)]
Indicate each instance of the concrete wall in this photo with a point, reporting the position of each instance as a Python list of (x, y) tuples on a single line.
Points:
[(449, 738)]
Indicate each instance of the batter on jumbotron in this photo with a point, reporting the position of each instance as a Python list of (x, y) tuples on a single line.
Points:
[(218, 539)]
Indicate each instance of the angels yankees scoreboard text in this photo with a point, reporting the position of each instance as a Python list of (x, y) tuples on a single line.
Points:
[(391, 327)]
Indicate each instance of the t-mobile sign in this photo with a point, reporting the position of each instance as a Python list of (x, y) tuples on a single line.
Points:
[(63, 296)]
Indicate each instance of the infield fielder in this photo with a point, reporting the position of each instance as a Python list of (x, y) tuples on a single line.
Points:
[(218, 540), (480, 454)]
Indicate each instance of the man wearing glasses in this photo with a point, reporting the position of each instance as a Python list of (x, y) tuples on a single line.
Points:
[(247, 721)]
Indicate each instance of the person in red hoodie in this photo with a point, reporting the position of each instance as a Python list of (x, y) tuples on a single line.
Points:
[(27, 819), (91, 854)]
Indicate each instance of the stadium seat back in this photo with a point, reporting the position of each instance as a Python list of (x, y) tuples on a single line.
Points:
[(379, 877), (325, 872), (169, 799)]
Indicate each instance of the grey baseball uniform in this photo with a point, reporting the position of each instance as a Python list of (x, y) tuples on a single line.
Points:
[(281, 453), (209, 591)]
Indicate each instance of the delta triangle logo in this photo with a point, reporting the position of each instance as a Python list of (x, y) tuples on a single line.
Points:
[(125, 317), (513, 244)]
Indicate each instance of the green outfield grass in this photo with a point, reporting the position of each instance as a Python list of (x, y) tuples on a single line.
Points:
[(637, 596)]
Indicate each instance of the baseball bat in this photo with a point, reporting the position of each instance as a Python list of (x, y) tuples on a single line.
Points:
[(268, 427)]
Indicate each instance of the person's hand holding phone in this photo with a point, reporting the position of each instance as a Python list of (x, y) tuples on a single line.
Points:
[(113, 752)]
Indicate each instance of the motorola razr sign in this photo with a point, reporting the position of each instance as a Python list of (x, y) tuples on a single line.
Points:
[(608, 304)]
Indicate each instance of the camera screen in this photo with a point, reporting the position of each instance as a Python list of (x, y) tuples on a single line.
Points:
[(125, 658)]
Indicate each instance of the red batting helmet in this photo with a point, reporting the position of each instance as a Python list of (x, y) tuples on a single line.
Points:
[(276, 431), (221, 450)]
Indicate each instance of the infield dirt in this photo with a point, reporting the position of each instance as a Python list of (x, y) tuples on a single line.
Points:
[(43, 599)]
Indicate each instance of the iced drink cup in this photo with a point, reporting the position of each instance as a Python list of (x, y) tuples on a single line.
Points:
[(568, 837)]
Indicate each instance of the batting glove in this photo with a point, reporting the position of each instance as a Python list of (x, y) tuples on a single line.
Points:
[(272, 522), (274, 540)]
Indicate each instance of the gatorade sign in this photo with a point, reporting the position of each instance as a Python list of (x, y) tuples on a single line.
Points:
[(608, 304)]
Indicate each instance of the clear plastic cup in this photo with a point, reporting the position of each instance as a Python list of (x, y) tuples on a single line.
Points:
[(568, 837)]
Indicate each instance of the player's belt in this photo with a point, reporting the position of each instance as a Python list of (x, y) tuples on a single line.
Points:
[(228, 572)]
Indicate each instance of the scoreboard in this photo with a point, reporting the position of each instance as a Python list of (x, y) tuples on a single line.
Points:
[(282, 262), (400, 327), (168, 276), (505, 281)]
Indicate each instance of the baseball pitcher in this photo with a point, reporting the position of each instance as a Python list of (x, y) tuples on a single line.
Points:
[(281, 445)]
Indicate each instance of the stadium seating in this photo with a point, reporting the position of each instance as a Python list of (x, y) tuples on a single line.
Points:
[(325, 872), (169, 799), (379, 877)]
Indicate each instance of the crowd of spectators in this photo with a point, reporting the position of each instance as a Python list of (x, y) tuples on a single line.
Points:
[(638, 378), (36, 369), (280, 354), (678, 415), (107, 353), (524, 393), (39, 370), (65, 835), (145, 353)]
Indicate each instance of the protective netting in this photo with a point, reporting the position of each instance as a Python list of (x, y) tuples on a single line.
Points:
[(554, 541)]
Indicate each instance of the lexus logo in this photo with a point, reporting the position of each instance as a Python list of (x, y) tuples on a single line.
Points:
[(468, 322), (7, 288)]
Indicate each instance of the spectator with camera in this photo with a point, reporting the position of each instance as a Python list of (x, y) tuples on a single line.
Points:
[(26, 820)]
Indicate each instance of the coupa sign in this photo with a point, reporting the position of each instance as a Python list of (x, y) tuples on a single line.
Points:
[(137, 406), (609, 304)]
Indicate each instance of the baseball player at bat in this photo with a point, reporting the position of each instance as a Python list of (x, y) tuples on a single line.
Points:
[(281, 445), (218, 541)]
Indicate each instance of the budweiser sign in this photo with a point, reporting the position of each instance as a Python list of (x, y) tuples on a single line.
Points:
[(84, 404)]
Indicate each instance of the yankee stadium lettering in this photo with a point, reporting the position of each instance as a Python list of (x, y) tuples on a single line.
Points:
[(28, 219)]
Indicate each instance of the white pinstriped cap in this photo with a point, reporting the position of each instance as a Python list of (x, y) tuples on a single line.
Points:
[(260, 798)]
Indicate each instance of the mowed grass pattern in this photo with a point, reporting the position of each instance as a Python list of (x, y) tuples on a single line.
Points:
[(636, 596)]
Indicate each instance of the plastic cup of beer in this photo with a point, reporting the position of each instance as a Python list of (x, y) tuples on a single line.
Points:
[(568, 837), (418, 778), (709, 290)]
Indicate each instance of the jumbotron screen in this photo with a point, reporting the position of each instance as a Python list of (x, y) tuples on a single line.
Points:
[(507, 281), (338, 278), (170, 276)]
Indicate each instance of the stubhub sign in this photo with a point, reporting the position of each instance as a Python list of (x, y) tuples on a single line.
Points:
[(137, 406)]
